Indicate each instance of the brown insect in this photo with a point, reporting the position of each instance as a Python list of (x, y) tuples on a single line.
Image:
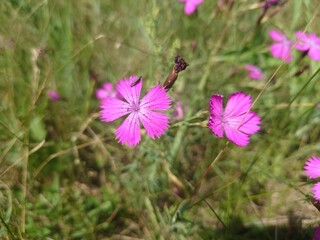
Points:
[(136, 81)]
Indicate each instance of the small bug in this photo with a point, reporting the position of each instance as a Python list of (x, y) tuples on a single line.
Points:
[(136, 81)]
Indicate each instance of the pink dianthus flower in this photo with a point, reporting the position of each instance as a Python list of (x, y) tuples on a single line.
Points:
[(54, 96), (144, 111), (236, 121), (316, 191), (316, 235), (309, 42), (254, 72), (282, 47), (178, 112), (312, 169), (105, 91), (190, 5)]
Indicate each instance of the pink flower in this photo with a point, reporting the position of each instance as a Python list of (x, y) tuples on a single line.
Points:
[(270, 3), (190, 5), (312, 167), (316, 235), (105, 91), (178, 112), (54, 96), (155, 123), (310, 43), (254, 72), (236, 122), (282, 48), (316, 191)]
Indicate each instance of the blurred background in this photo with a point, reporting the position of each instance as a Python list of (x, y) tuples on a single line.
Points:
[(64, 176)]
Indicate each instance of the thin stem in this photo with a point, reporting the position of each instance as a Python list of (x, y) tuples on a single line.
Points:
[(7, 227), (304, 86), (214, 212), (196, 189), (24, 184)]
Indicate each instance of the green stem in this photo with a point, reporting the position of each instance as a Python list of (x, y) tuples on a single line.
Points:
[(304, 86), (7, 227)]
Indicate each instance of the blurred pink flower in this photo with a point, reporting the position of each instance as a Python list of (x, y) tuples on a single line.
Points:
[(105, 91), (54, 96), (155, 123), (235, 121), (270, 3), (282, 47), (316, 190), (190, 5), (254, 72), (309, 42), (178, 112), (312, 167), (316, 235)]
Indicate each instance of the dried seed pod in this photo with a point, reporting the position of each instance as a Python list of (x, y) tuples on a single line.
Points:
[(179, 65)]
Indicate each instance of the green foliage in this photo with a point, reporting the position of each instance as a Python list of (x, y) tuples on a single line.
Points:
[(64, 176)]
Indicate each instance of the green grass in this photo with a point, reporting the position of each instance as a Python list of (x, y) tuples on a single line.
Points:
[(64, 176)]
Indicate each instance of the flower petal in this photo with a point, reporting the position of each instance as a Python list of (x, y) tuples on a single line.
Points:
[(178, 111), (130, 94), (286, 53), (238, 104), (197, 2), (314, 38), (276, 50), (216, 126), (189, 8), (302, 41), (312, 167), (277, 35), (155, 123), (281, 51), (256, 75), (113, 108), (237, 137), (314, 53), (250, 123), (254, 72), (129, 131), (216, 107), (316, 234), (108, 86), (316, 191), (252, 68), (105, 91), (156, 99), (216, 111), (101, 93)]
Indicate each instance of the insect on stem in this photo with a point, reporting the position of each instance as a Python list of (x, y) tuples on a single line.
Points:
[(136, 82)]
